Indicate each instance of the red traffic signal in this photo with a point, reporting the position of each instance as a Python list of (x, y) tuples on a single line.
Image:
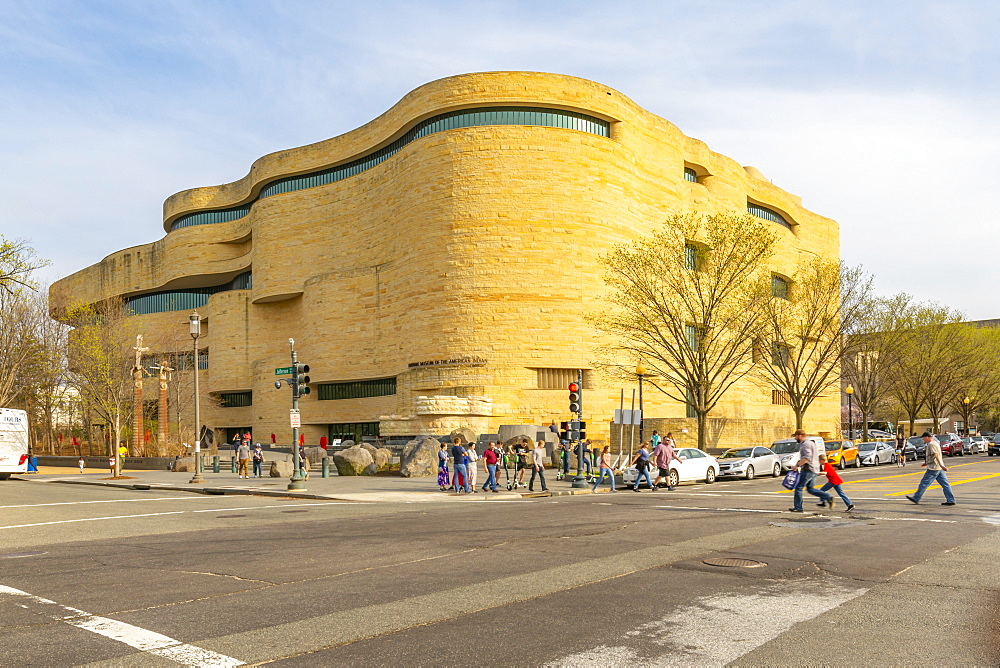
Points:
[(573, 387)]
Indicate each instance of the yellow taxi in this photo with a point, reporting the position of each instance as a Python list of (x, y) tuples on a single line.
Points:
[(842, 454)]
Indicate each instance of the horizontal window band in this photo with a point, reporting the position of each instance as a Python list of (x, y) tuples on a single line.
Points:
[(452, 120)]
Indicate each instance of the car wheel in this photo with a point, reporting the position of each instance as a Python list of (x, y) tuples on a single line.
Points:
[(673, 478), (857, 462), (841, 465), (749, 473), (710, 475), (776, 471)]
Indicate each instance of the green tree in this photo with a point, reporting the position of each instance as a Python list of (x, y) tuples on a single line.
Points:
[(688, 302), (17, 262)]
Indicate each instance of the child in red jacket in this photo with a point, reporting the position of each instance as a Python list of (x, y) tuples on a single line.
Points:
[(833, 481)]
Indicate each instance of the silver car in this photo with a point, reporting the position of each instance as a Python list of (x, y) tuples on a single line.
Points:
[(749, 462), (873, 454), (788, 450)]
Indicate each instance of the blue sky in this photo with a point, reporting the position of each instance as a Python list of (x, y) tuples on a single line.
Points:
[(882, 115)]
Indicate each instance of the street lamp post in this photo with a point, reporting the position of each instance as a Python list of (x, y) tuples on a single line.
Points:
[(195, 324), (850, 412), (640, 371), (965, 416)]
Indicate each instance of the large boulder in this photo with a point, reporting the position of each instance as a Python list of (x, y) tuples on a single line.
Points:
[(315, 455), (510, 442), (347, 444), (465, 434), (382, 457), (354, 461), (420, 458), (370, 448), (184, 465), (281, 468)]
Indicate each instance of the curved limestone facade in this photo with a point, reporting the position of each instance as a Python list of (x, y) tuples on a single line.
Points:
[(434, 265)]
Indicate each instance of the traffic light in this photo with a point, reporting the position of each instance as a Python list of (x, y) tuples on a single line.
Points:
[(575, 398), (300, 379), (564, 431)]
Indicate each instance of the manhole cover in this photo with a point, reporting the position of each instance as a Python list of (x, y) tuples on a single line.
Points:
[(228, 516), (295, 511), (18, 555), (809, 519), (731, 562)]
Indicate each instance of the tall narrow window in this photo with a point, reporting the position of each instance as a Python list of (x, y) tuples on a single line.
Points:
[(779, 287), (780, 398), (780, 354), (689, 406), (691, 257), (693, 339), (690, 175)]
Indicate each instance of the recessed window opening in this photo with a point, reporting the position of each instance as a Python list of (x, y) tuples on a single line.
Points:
[(767, 214), (779, 287)]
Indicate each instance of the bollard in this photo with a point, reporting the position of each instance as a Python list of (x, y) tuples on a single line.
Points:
[(201, 464), (215, 464), (326, 467), (232, 464)]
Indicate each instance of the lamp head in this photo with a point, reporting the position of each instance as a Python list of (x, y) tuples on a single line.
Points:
[(849, 389), (194, 320), (640, 369)]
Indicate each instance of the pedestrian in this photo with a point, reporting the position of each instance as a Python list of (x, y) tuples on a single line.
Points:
[(303, 462), (663, 454), (564, 452), (111, 464), (122, 454), (538, 466), (246, 438), (443, 481), (606, 469), (461, 480), (936, 472), (586, 456), (243, 460), (900, 449), (654, 440), (81, 463), (641, 464), (808, 468), (258, 461), (490, 459), (833, 482), (521, 457), (553, 428), (472, 457)]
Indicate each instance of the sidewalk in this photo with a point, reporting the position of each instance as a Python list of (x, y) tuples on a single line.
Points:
[(369, 489)]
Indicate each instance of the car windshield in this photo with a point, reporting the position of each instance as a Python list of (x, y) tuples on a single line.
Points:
[(914, 440), (783, 448), (966, 440), (833, 446), (736, 453), (867, 447)]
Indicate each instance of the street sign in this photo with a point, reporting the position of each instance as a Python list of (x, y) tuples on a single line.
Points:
[(627, 416), (283, 371), (295, 418)]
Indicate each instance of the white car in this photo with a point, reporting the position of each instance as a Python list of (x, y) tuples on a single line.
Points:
[(873, 454), (695, 465), (749, 462), (975, 445), (787, 450)]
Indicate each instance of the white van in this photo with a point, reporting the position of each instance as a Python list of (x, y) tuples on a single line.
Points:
[(13, 442)]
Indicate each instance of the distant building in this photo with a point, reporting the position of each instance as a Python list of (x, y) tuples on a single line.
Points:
[(434, 265)]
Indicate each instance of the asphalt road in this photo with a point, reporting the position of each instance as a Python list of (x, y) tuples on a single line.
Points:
[(116, 577)]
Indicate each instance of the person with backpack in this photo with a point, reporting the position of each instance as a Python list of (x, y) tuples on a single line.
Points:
[(808, 468), (258, 461), (458, 454)]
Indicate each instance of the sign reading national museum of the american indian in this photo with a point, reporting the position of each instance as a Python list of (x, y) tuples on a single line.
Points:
[(456, 361)]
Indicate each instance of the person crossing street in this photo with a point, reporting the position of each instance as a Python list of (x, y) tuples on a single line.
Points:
[(936, 472), (808, 467)]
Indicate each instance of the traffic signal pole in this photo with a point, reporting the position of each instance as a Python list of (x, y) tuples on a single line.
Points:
[(299, 385), (580, 481)]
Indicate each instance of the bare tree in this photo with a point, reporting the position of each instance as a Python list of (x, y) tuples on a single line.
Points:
[(874, 347), (809, 322), (17, 262), (950, 357), (17, 344), (688, 303), (102, 357)]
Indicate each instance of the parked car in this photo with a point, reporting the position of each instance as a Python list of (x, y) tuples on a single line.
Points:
[(787, 450), (842, 454), (973, 445), (919, 447), (994, 449), (749, 462), (873, 453), (951, 445), (695, 465)]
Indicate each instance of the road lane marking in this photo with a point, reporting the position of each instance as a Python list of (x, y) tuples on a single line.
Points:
[(950, 482), (732, 510), (80, 503), (91, 519), (285, 505), (741, 621), (141, 639)]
